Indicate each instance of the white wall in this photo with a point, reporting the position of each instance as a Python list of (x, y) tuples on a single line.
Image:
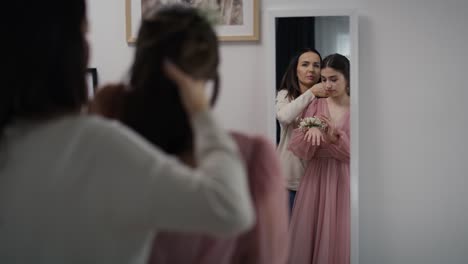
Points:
[(110, 53), (413, 122), (241, 74)]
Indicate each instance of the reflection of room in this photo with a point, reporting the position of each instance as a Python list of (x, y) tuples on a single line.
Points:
[(297, 38), (327, 34), (332, 35)]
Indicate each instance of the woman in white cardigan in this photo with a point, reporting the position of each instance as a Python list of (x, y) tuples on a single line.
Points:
[(76, 188), (299, 86)]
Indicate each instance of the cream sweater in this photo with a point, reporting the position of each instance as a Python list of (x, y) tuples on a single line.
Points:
[(82, 189), (287, 113)]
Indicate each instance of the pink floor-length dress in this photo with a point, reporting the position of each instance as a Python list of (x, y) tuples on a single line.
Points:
[(320, 223), (266, 243)]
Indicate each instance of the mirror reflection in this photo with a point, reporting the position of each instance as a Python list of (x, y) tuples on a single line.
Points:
[(313, 134)]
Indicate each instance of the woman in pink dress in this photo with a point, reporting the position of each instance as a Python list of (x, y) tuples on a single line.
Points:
[(320, 226)]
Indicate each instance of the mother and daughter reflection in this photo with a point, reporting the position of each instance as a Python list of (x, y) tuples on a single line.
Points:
[(314, 160)]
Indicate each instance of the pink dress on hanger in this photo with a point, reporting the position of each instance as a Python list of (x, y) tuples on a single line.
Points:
[(266, 243), (320, 223)]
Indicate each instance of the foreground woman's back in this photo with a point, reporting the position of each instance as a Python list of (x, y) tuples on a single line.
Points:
[(86, 190)]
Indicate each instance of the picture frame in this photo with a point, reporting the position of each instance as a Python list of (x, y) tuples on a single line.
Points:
[(91, 81), (245, 24)]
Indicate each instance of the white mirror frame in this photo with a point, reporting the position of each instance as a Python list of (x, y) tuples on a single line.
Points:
[(278, 12)]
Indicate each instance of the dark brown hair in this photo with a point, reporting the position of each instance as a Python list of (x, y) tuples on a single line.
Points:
[(339, 63), (152, 106), (44, 60), (289, 82)]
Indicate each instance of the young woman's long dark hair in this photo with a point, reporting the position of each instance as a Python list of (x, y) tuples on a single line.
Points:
[(341, 64), (289, 81), (44, 60), (152, 106)]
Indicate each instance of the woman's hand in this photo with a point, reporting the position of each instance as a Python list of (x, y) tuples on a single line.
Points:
[(319, 90), (314, 135), (331, 135), (192, 91)]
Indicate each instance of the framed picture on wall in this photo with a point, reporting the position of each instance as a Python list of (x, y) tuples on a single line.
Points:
[(237, 20), (91, 81)]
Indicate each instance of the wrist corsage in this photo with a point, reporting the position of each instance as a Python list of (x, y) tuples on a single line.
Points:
[(310, 122)]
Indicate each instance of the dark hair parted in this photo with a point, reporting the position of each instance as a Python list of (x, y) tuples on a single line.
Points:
[(44, 60), (341, 64), (152, 106), (289, 81)]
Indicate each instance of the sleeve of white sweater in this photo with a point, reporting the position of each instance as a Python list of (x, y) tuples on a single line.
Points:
[(146, 188), (287, 111)]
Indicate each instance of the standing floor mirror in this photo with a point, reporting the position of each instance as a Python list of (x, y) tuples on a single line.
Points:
[(328, 31)]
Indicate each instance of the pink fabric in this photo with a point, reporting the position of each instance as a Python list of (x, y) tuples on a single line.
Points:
[(320, 227), (266, 243)]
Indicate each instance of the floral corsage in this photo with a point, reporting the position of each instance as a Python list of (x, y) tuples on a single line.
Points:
[(310, 122)]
